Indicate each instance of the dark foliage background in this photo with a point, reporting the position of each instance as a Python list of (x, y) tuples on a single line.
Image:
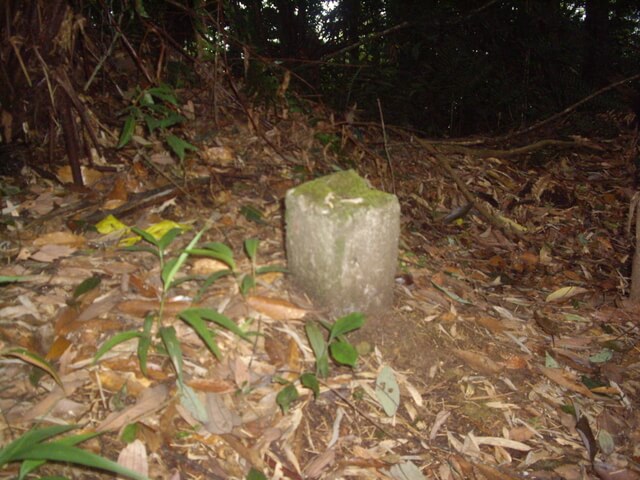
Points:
[(451, 68)]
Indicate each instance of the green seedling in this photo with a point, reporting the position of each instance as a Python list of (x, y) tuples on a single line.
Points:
[(164, 338), (221, 252), (35, 448), (156, 108), (335, 347)]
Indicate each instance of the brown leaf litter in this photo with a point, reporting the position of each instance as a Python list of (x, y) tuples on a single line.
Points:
[(507, 347)]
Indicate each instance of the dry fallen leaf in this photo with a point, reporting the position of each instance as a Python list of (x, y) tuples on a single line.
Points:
[(561, 377), (565, 293), (276, 308), (134, 457), (477, 361)]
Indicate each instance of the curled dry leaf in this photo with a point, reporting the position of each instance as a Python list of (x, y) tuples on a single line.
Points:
[(478, 361)]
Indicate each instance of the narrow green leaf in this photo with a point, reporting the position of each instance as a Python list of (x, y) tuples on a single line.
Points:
[(115, 340), (86, 285), (146, 236), (173, 266), (179, 146), (216, 250), (8, 452), (165, 93), (62, 453), (168, 273), (152, 123), (213, 316), (145, 343), (346, 324), (127, 130), (170, 340), (344, 353), (29, 466), (270, 269), (286, 397), (251, 247), (14, 278), (209, 281), (142, 248), (247, 284), (33, 359), (316, 339), (170, 120), (169, 237), (310, 381), (195, 320), (322, 365)]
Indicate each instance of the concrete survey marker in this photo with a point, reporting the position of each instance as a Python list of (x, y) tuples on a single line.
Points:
[(342, 243)]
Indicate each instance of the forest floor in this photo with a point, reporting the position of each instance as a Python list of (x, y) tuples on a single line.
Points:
[(516, 357)]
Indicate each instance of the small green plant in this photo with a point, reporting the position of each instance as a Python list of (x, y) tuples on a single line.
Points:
[(199, 319), (221, 252), (336, 347), (35, 448), (156, 108)]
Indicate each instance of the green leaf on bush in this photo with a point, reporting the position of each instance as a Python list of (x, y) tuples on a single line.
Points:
[(195, 320), (28, 448), (216, 250), (179, 146), (310, 381), (170, 340), (146, 236), (129, 433), (316, 339), (127, 130), (168, 238), (165, 93), (270, 268), (286, 397), (251, 247), (145, 343), (213, 316), (247, 284), (344, 353), (346, 324), (115, 340)]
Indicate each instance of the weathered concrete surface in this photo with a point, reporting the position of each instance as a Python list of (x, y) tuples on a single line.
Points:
[(342, 243)]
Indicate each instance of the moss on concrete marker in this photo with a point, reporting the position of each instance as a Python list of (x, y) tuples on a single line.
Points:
[(342, 243)]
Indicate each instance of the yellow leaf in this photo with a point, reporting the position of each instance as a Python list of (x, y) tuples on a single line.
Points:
[(158, 230), (110, 224)]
